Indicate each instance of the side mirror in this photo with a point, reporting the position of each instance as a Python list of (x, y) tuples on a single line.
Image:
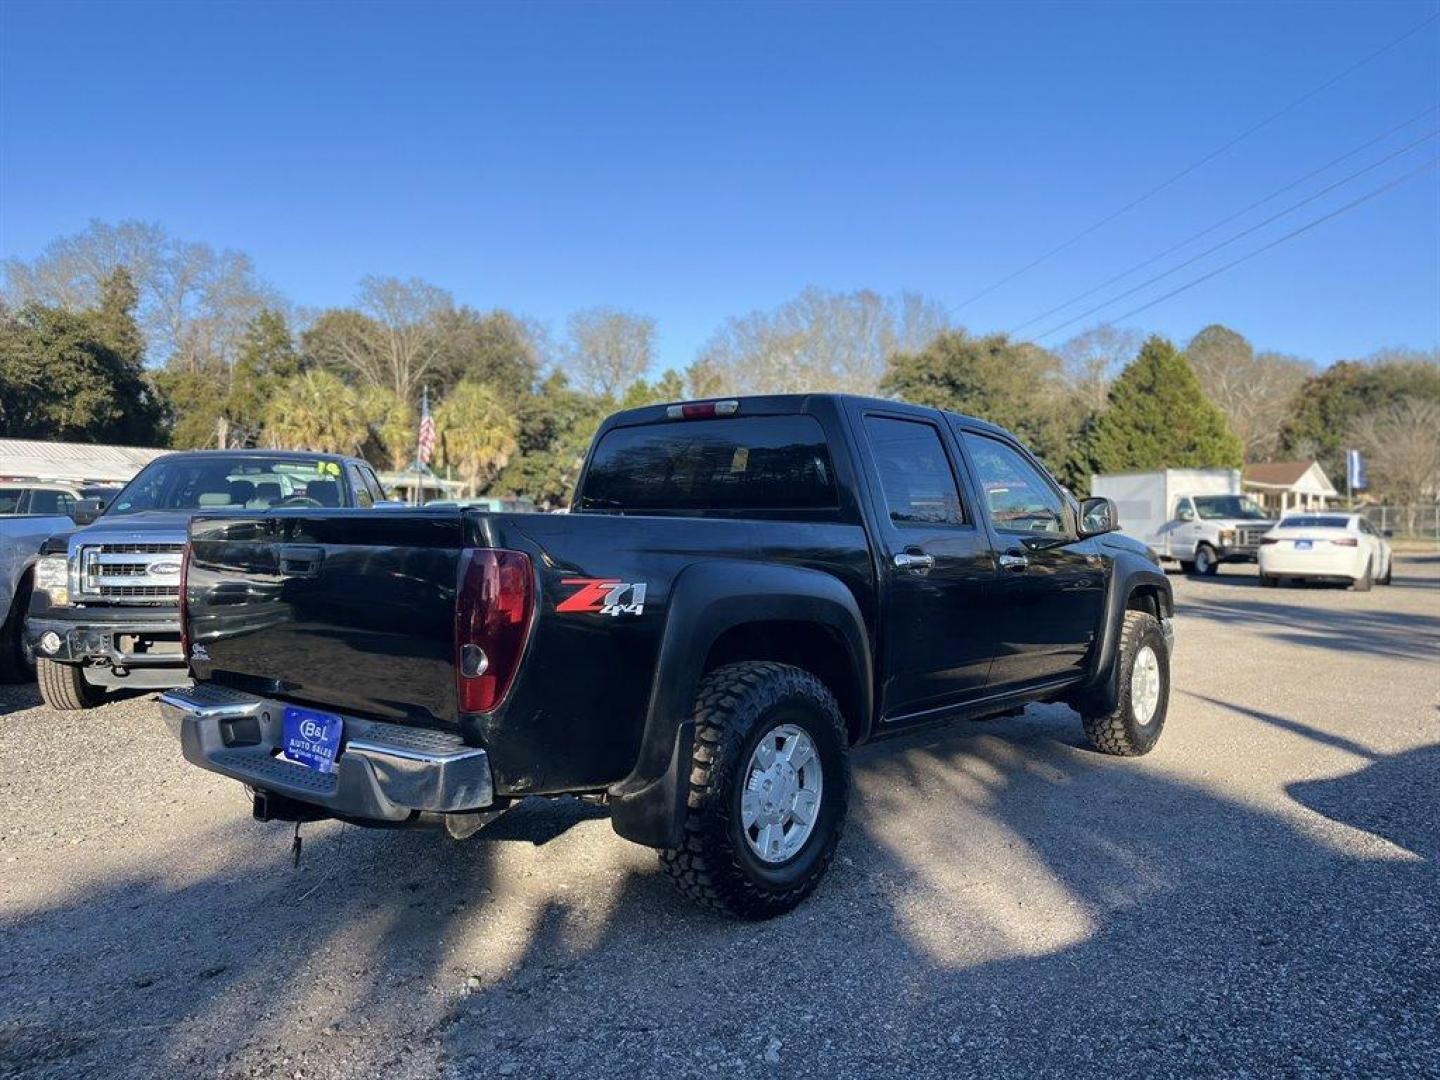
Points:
[(1098, 516), (1388, 533), (87, 510)]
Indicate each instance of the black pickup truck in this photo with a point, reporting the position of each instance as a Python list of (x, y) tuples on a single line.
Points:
[(744, 590)]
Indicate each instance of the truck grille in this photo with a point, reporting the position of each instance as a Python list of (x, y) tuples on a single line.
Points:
[(1249, 535), (130, 572)]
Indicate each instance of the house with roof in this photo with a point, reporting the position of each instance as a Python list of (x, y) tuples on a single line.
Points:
[(1280, 486)]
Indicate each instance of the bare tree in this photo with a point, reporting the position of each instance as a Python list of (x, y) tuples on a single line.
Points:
[(819, 341), (609, 349), (195, 301), (1254, 392), (1401, 444), (1093, 358), (393, 339)]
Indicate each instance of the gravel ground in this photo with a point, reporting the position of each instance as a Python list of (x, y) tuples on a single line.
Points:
[(1259, 896)]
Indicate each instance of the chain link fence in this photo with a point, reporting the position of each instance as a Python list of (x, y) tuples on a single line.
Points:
[(1407, 522)]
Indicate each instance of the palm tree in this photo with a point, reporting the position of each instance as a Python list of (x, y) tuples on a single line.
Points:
[(315, 411), (393, 422), (477, 433)]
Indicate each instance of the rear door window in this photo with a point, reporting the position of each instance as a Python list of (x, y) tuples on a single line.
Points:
[(10, 500), (762, 463), (915, 476)]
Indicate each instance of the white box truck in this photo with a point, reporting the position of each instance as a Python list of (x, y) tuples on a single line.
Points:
[(1196, 517)]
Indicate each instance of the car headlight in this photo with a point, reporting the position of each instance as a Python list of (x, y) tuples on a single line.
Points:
[(1227, 536), (52, 577)]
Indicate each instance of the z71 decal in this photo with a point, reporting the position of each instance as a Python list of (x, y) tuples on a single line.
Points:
[(606, 596)]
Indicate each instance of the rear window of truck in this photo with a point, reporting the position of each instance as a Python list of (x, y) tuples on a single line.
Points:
[(752, 463)]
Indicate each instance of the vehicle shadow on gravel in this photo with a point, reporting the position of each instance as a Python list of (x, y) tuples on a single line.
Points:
[(16, 697), (1361, 630), (1005, 902)]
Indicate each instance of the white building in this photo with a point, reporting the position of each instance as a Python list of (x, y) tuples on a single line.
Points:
[(33, 459), (1280, 486)]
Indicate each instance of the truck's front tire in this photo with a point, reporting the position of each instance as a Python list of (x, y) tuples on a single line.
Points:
[(17, 663), (1133, 727), (1207, 563), (769, 784), (64, 688)]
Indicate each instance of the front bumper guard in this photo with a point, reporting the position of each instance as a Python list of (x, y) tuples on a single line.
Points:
[(384, 772)]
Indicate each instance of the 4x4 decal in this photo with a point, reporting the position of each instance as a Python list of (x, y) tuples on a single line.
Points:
[(607, 596)]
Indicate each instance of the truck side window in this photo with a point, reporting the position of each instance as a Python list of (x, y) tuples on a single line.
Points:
[(372, 484), (363, 497), (1020, 499), (1183, 511), (915, 474), (10, 500), (51, 502)]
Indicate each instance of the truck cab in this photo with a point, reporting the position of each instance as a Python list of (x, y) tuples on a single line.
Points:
[(1207, 530), (103, 604)]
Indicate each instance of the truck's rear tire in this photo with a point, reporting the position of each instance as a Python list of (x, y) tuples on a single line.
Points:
[(63, 686), (1133, 727), (770, 752)]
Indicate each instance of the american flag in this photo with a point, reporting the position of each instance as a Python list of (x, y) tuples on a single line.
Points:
[(427, 430)]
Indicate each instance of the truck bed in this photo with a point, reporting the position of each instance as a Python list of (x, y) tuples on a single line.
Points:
[(354, 612)]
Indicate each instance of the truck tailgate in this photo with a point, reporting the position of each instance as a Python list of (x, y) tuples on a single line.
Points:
[(352, 610)]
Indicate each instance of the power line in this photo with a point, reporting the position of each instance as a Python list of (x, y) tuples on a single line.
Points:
[(1279, 240), (1248, 230), (1223, 221), (1211, 156)]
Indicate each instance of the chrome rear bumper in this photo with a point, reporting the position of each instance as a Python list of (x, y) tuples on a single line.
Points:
[(385, 772)]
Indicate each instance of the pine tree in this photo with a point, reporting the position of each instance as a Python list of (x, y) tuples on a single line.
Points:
[(1159, 418)]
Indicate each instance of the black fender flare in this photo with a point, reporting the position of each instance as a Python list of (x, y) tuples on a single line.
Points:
[(706, 600), (1100, 690)]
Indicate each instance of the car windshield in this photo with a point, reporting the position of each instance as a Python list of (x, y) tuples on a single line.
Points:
[(218, 481), (1243, 507), (1314, 522)]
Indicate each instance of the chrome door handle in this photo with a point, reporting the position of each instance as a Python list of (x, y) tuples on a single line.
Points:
[(1011, 561), (916, 564)]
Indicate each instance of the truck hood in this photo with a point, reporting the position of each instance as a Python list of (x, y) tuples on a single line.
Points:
[(1118, 541), (146, 521)]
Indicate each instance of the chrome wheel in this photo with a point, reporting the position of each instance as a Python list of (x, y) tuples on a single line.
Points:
[(781, 797), (1144, 685)]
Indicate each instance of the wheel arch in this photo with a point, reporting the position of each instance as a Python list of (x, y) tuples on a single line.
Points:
[(1136, 584), (723, 611)]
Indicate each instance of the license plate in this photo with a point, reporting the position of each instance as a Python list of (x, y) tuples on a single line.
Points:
[(312, 738), (1304, 545)]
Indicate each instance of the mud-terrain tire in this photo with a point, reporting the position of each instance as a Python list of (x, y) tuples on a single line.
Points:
[(17, 663), (1207, 563), (1365, 580), (63, 686), (1121, 731), (737, 708)]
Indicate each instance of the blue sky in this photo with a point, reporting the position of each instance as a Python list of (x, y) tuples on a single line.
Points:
[(697, 161)]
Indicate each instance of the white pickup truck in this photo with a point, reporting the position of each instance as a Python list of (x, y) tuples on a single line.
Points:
[(1196, 517)]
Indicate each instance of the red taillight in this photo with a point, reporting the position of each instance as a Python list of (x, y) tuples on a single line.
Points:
[(492, 621), (1346, 541), (702, 410), (184, 605)]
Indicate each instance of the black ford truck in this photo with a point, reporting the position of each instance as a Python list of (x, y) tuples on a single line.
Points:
[(745, 590)]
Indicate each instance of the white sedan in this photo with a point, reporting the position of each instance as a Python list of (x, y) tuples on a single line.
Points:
[(1334, 547)]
